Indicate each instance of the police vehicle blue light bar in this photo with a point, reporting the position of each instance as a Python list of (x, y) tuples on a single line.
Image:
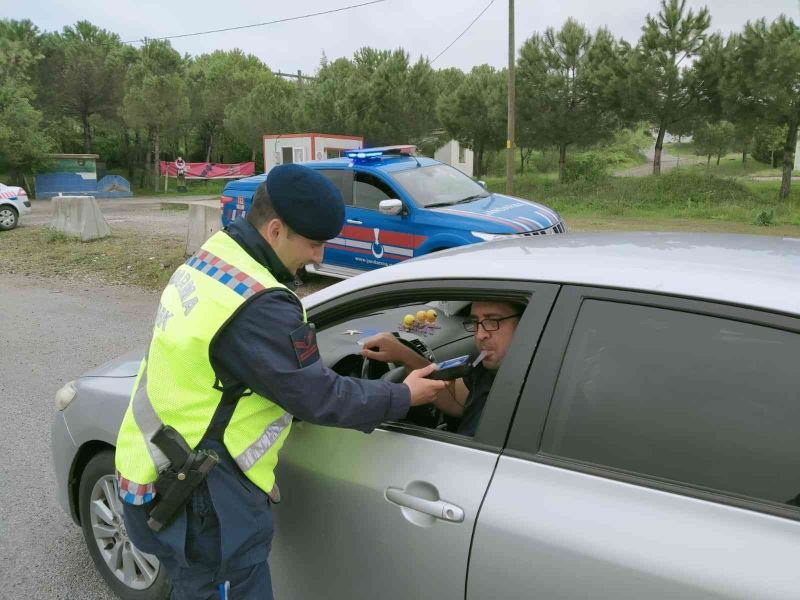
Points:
[(381, 151)]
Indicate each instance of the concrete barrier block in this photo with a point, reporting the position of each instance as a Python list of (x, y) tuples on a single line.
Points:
[(204, 221), (79, 216)]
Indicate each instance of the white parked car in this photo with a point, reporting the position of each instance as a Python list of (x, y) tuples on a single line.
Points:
[(13, 203)]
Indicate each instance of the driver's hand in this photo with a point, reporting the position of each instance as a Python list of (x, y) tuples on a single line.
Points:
[(423, 390), (384, 347)]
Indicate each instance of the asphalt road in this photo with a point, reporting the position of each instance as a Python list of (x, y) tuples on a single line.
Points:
[(50, 332)]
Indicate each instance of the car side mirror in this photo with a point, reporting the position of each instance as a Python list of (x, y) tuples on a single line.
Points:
[(482, 183), (390, 207)]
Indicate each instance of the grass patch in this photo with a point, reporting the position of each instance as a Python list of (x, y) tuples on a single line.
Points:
[(194, 187), (679, 149), (730, 165), (199, 187), (126, 257), (679, 194)]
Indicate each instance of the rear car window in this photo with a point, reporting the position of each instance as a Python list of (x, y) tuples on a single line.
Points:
[(689, 398)]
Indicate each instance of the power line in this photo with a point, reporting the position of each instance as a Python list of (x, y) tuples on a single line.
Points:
[(463, 32), (286, 20)]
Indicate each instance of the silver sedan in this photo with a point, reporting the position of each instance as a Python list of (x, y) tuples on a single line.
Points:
[(639, 440)]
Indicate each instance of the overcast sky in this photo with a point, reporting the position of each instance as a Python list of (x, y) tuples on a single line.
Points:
[(422, 27)]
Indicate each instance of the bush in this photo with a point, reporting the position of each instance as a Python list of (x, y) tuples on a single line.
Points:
[(764, 218), (545, 161), (587, 166)]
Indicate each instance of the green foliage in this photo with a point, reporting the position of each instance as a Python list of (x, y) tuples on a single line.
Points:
[(83, 74), (475, 113), (267, 108), (714, 139), (765, 218), (22, 142), (214, 82), (156, 95), (81, 89), (561, 86), (768, 143), (587, 166), (678, 194), (379, 94), (20, 53), (660, 84), (763, 76)]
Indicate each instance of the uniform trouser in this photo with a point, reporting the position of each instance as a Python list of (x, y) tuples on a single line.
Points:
[(223, 534)]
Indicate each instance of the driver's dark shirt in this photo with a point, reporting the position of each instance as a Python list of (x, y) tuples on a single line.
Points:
[(479, 383)]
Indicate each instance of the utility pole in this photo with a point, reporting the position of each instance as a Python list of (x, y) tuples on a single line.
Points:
[(511, 101)]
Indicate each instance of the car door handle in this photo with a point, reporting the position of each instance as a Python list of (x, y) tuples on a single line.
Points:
[(354, 222), (435, 508)]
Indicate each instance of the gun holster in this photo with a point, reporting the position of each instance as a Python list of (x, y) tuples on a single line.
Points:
[(187, 469)]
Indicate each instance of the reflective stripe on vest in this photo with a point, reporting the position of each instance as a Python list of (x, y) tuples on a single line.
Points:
[(260, 447)]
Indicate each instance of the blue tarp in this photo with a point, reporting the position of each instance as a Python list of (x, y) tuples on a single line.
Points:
[(72, 184)]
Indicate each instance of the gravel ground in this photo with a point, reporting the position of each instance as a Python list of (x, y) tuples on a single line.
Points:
[(145, 215), (50, 332)]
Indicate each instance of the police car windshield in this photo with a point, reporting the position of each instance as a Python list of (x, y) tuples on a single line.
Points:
[(438, 185)]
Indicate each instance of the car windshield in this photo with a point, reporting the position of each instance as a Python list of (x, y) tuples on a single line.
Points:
[(438, 185)]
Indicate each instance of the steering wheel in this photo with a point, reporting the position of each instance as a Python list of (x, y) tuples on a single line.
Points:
[(397, 373)]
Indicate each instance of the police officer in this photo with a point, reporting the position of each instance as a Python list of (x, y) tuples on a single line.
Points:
[(231, 360)]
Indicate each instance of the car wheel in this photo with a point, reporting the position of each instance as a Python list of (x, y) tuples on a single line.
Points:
[(8, 217), (130, 573)]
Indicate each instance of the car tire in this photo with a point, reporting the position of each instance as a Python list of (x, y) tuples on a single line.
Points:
[(130, 573), (9, 218)]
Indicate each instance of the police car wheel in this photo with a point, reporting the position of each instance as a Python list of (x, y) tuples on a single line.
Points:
[(130, 573), (8, 218)]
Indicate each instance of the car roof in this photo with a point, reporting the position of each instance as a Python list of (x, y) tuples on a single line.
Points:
[(389, 163), (749, 270)]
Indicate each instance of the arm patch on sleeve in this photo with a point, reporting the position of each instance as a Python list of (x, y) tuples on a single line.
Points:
[(304, 342)]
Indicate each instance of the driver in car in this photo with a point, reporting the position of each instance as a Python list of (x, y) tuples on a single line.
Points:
[(493, 325)]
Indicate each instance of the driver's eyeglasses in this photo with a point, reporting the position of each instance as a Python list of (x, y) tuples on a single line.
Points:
[(471, 325)]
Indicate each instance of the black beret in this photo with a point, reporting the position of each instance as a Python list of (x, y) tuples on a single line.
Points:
[(306, 201)]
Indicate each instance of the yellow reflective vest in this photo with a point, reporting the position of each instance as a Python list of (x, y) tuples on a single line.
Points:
[(176, 384)]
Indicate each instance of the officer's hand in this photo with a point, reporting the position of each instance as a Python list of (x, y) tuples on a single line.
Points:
[(423, 390), (384, 347)]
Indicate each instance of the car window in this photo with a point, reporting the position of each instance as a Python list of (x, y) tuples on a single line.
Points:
[(438, 185), (369, 190), (343, 180), (684, 397), (435, 329)]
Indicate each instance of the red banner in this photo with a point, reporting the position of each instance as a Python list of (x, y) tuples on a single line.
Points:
[(210, 170)]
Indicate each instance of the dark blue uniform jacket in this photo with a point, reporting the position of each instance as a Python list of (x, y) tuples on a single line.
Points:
[(256, 349)]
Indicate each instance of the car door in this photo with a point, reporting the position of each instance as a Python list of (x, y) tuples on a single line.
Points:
[(369, 238), (355, 517), (653, 455)]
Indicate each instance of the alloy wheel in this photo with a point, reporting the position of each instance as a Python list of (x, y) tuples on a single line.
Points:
[(134, 568)]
